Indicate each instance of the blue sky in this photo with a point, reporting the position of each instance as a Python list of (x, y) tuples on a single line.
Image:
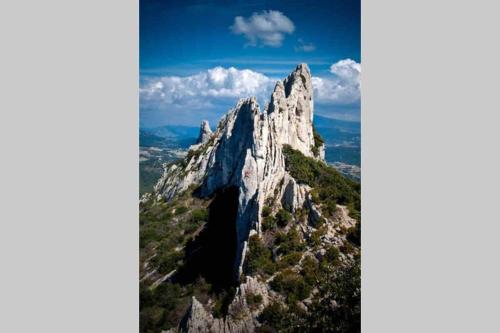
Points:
[(198, 57)]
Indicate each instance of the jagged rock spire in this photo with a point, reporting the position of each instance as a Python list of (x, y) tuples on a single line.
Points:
[(246, 153), (291, 110), (205, 132)]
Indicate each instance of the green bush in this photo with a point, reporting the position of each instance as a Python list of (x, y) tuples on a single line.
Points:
[(354, 234), (329, 208), (269, 223), (316, 235), (253, 299), (291, 285), (332, 255), (283, 218), (161, 308), (181, 210), (347, 248), (199, 215), (259, 258), (318, 140), (275, 316), (344, 287), (266, 211), (150, 318), (289, 242), (290, 259), (310, 271), (169, 261), (265, 329)]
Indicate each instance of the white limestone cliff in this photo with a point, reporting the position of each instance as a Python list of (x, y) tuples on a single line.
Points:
[(246, 152)]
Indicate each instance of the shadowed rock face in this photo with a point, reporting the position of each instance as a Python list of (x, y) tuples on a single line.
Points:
[(244, 158), (212, 253)]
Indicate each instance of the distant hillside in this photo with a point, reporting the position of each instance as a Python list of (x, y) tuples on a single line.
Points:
[(174, 131), (341, 125), (156, 150), (342, 140)]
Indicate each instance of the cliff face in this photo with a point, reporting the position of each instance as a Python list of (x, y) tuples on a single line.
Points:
[(246, 151)]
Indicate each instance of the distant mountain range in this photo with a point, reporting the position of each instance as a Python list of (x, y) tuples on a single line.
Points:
[(339, 125), (333, 131)]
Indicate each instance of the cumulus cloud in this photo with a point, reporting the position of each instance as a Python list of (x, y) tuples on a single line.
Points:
[(347, 68), (343, 88), (304, 47), (210, 93), (267, 28), (204, 89)]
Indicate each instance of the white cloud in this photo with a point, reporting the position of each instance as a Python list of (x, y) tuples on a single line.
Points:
[(204, 89), (303, 46), (268, 28), (343, 88), (347, 69), (210, 93)]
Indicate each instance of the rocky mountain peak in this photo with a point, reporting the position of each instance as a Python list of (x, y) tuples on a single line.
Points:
[(245, 152), (205, 132), (291, 110)]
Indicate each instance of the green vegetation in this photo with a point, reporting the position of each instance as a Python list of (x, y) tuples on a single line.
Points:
[(288, 260), (266, 211), (316, 235), (318, 142), (332, 255), (180, 210), (161, 308), (158, 225), (283, 218), (330, 187), (274, 318), (253, 300), (222, 301), (310, 271), (259, 258), (165, 229), (344, 286), (354, 234), (289, 242), (335, 283), (291, 285), (149, 173), (269, 223)]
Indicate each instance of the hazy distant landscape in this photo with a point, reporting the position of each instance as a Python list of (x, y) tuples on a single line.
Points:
[(169, 143)]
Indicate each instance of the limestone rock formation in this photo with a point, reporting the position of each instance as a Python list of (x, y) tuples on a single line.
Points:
[(246, 151), (241, 316), (205, 132), (291, 111)]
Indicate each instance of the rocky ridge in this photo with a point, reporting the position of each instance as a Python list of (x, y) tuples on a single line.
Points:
[(246, 152)]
